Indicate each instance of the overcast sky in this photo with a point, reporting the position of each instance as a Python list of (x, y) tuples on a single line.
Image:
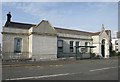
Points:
[(85, 16)]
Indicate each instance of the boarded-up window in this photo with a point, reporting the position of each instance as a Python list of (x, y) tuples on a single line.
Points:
[(17, 45)]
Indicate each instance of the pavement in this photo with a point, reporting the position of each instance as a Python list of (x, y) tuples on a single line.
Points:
[(49, 62)]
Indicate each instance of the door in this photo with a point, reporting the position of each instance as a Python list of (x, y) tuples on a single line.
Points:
[(103, 50)]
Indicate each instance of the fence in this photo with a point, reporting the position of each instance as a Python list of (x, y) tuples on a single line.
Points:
[(78, 55)]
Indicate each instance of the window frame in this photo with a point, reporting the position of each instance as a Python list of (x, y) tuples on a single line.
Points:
[(71, 46), (17, 47), (59, 48)]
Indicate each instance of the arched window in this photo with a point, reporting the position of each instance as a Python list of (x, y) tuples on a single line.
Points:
[(103, 41), (17, 45)]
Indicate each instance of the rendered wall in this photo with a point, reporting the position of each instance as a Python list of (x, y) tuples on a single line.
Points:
[(119, 44), (44, 47), (8, 42)]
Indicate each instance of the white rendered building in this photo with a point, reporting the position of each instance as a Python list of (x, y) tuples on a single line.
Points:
[(115, 44), (44, 41)]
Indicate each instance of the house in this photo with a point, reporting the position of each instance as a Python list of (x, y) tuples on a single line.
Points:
[(44, 41), (115, 44)]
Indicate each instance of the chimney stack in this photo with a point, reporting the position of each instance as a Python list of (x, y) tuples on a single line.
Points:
[(8, 20), (9, 17)]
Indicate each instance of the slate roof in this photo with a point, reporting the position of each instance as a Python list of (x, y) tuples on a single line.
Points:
[(19, 25), (59, 30), (71, 31)]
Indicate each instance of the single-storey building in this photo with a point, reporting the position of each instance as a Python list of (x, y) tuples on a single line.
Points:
[(44, 41)]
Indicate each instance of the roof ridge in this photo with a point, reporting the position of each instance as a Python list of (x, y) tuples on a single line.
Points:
[(63, 30), (72, 30), (22, 23)]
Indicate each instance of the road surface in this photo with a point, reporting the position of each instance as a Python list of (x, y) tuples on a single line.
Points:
[(97, 69)]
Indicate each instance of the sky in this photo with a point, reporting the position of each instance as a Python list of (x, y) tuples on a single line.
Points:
[(84, 16)]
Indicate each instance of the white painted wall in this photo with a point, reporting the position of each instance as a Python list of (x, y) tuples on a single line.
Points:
[(97, 42), (44, 27), (8, 46), (96, 49), (30, 45), (8, 43), (113, 44), (44, 47), (119, 44), (95, 39), (8, 39)]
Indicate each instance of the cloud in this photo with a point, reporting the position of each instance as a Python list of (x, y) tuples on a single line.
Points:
[(46, 10), (43, 10), (54, 10)]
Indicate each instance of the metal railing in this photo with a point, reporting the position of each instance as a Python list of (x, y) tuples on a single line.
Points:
[(78, 55), (66, 55)]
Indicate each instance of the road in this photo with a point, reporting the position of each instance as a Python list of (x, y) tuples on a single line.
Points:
[(97, 69)]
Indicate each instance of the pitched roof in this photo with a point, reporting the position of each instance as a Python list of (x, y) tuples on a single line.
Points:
[(71, 31), (59, 30), (18, 25), (97, 33)]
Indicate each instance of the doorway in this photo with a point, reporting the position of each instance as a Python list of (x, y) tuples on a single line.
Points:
[(103, 48)]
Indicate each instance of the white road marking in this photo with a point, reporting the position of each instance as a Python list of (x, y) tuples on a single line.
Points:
[(37, 77), (55, 65), (55, 75), (103, 68)]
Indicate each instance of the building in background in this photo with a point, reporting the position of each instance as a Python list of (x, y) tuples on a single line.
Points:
[(44, 41), (115, 44), (118, 36)]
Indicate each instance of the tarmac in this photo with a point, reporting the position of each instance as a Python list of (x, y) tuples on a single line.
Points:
[(48, 62), (37, 63)]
